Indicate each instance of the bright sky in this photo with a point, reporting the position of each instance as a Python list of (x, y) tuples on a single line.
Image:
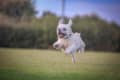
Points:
[(106, 9)]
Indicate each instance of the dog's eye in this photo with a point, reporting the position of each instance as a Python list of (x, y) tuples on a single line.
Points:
[(64, 29)]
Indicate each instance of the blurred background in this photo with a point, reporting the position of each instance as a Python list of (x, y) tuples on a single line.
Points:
[(32, 23), (28, 30)]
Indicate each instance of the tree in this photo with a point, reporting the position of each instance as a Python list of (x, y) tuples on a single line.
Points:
[(17, 8)]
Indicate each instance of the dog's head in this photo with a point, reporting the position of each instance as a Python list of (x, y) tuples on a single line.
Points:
[(64, 30)]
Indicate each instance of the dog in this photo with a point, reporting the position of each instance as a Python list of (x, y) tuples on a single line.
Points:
[(67, 40)]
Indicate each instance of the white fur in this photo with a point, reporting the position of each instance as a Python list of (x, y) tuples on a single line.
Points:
[(71, 42)]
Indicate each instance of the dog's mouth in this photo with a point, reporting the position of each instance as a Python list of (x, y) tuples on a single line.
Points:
[(61, 35)]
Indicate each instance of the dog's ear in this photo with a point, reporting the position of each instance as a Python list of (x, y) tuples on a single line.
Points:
[(61, 21), (70, 22)]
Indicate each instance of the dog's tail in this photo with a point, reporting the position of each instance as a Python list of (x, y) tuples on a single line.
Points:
[(77, 34)]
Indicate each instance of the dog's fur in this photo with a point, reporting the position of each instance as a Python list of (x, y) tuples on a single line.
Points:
[(67, 40)]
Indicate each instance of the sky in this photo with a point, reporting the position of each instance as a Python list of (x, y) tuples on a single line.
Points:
[(106, 9)]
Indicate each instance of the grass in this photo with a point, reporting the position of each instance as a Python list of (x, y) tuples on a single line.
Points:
[(25, 64)]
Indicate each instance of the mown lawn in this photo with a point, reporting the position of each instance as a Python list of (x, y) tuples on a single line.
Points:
[(31, 64)]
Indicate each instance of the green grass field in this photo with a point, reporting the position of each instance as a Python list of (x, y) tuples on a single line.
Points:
[(26, 64)]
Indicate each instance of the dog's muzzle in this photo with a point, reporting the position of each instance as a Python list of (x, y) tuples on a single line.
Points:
[(61, 34)]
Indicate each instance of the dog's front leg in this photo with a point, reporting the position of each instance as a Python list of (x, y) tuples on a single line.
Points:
[(58, 44), (73, 58), (71, 50)]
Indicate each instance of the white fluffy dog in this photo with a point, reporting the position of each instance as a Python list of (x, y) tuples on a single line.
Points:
[(67, 40)]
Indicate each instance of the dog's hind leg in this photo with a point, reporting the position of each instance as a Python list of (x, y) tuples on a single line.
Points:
[(81, 50)]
